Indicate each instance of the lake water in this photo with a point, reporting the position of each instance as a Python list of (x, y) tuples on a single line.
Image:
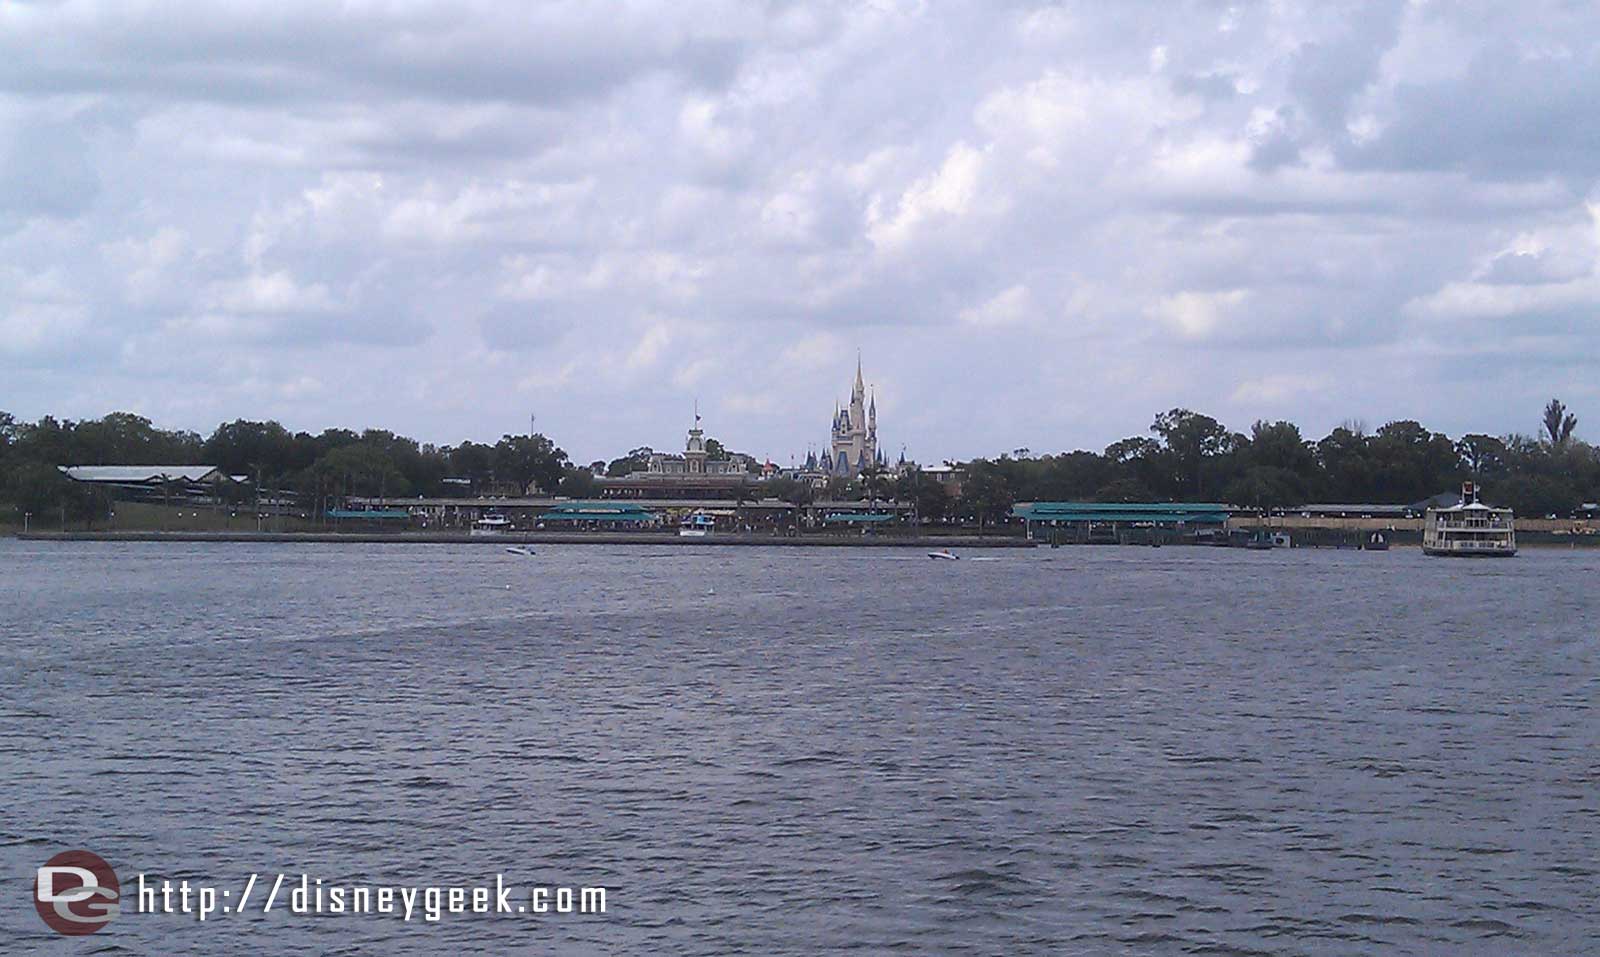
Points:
[(803, 751)]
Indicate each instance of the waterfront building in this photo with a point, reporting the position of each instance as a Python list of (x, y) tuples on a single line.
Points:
[(949, 477), (194, 484), (691, 475), (695, 459)]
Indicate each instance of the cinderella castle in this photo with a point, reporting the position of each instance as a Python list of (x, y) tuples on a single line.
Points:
[(853, 447)]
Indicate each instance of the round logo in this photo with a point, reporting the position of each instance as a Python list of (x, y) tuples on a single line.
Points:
[(76, 893)]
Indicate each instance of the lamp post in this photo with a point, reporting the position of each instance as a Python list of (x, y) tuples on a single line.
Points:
[(26, 516)]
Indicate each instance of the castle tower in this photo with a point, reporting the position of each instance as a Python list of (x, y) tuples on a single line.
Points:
[(855, 429)]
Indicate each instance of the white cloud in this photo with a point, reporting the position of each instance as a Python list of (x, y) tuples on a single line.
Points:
[(734, 198), (1270, 390), (935, 200), (277, 292), (1007, 308), (1197, 315)]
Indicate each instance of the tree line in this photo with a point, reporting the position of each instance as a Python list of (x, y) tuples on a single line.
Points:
[(1185, 456), (1189, 456), (319, 470)]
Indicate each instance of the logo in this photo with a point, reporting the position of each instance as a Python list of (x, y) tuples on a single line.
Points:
[(76, 893)]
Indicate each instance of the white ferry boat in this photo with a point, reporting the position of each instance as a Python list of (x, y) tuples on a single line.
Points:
[(696, 525), (491, 524), (1470, 529)]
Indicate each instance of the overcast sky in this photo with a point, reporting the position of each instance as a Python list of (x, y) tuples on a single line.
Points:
[(1039, 223)]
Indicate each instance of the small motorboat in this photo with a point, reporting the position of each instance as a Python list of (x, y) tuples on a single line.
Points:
[(491, 524), (519, 549), (945, 555), (696, 525)]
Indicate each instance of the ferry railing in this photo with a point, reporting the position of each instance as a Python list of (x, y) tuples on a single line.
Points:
[(1474, 545)]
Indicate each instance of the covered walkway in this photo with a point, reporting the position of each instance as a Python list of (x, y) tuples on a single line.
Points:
[(1116, 522)]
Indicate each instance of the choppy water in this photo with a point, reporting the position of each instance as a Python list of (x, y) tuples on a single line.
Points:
[(786, 751)]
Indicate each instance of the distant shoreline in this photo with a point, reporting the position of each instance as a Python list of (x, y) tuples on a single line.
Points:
[(536, 538), (1535, 540)]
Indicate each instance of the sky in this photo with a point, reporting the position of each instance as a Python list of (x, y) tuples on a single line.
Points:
[(1038, 224)]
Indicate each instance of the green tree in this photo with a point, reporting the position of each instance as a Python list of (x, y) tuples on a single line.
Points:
[(1482, 456), (44, 492), (9, 433), (986, 495), (874, 482), (1280, 445), (637, 460), (1535, 496), (1137, 459), (1070, 476), (793, 491), (578, 483), (241, 447), (532, 461), (473, 461), (1190, 440), (838, 489), (1124, 490), (933, 502), (360, 469), (1265, 487), (1559, 425), (1347, 466), (1411, 463)]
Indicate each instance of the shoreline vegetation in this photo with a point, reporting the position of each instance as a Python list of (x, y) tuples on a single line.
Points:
[(1319, 538), (1185, 457)]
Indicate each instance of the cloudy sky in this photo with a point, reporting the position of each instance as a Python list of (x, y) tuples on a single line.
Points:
[(1039, 223)]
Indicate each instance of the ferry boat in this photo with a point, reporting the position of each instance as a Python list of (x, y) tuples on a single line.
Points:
[(491, 524), (1470, 529), (696, 525)]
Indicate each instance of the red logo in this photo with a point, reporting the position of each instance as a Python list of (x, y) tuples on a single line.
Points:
[(76, 893)]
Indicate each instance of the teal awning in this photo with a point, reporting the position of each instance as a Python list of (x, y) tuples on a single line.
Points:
[(598, 512), (373, 514), (869, 517), (1192, 513)]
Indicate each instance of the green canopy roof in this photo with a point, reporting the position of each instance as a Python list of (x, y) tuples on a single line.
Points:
[(1204, 513), (375, 514), (858, 517), (598, 512)]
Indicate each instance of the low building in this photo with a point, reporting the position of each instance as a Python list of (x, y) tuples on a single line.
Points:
[(692, 475), (156, 483), (1359, 510), (950, 477)]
